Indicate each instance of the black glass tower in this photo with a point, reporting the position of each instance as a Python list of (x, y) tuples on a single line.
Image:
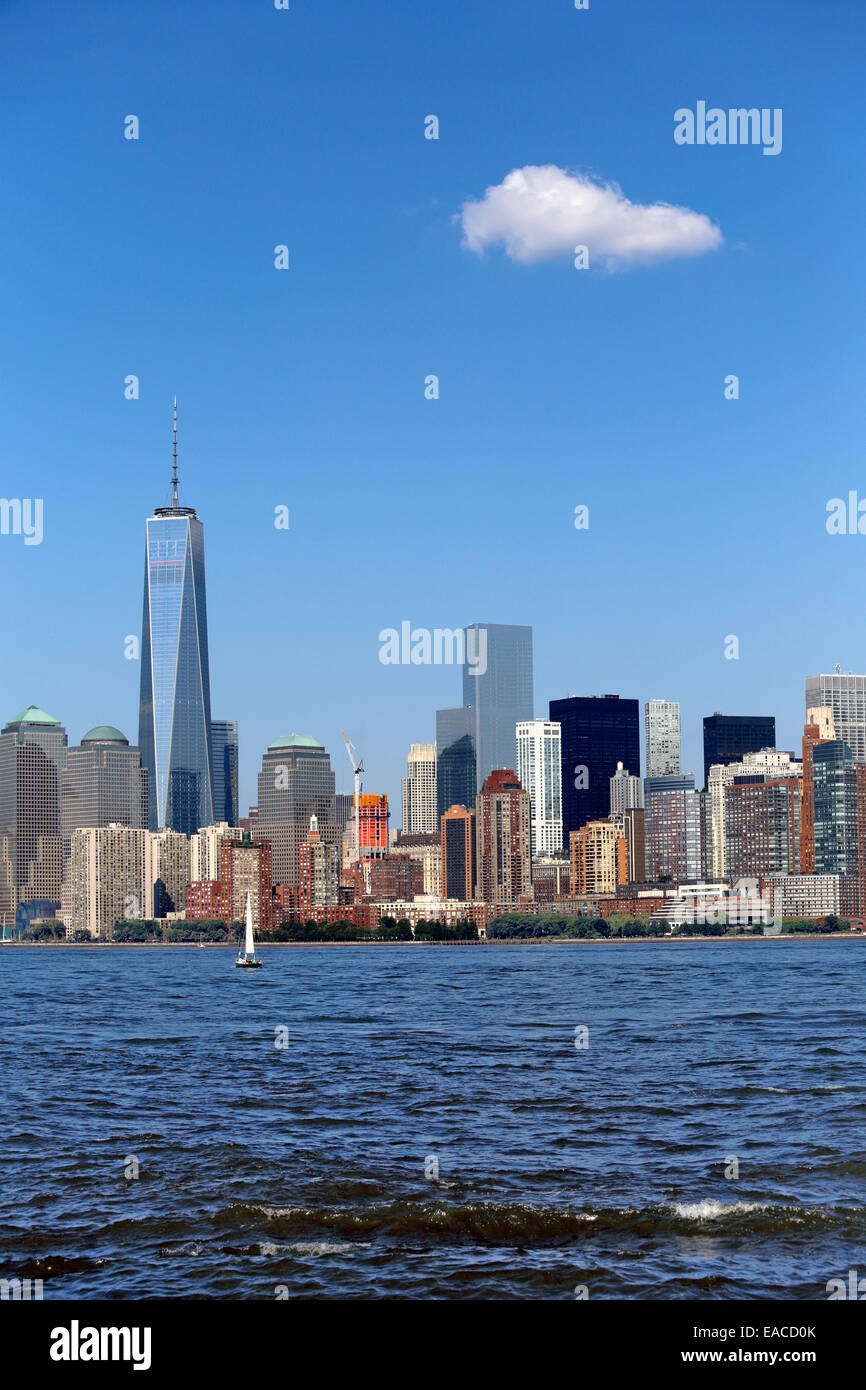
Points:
[(598, 731), (728, 736)]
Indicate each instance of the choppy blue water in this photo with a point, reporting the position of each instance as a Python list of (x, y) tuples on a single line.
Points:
[(308, 1170)]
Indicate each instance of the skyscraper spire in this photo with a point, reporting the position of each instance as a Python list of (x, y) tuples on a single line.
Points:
[(174, 458)]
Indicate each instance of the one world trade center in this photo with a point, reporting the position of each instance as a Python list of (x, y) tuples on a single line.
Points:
[(174, 722)]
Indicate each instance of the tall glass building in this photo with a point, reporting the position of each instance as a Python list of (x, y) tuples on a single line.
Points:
[(598, 733), (224, 743), (456, 782), (497, 684), (174, 722)]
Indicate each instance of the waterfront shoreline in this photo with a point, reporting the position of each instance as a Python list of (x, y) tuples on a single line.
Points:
[(264, 944)]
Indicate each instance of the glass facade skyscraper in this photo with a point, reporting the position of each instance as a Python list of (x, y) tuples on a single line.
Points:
[(727, 737), (497, 684), (174, 728), (455, 759), (224, 743), (598, 732)]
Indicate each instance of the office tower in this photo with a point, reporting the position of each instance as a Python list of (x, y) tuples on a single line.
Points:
[(727, 737), (204, 851), (672, 829), (819, 727), (766, 764), (246, 867), (662, 729), (762, 826), (319, 871), (224, 746), (835, 808), (539, 771), (344, 809), (599, 858), (102, 783), (625, 791), (839, 784), (497, 686), (419, 791), (32, 756), (458, 854), (295, 783), (174, 722), (168, 868), (598, 732), (503, 841), (845, 697), (108, 878), (456, 762)]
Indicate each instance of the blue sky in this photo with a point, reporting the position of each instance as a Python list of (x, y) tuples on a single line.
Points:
[(306, 388)]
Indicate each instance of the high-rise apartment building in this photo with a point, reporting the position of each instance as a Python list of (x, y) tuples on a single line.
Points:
[(598, 732), (102, 783), (373, 817), (456, 762), (764, 765), (762, 826), (539, 770), (32, 758), (168, 869), (845, 696), (599, 858), (503, 839), (662, 734), (631, 827), (672, 828), (174, 724), (497, 686), (246, 867), (457, 875), (224, 747), (204, 851), (108, 878), (625, 791), (727, 737), (295, 783), (419, 791), (319, 871)]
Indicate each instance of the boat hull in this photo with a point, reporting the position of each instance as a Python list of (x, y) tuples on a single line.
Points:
[(248, 964)]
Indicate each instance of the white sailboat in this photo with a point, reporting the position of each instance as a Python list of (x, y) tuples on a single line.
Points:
[(247, 956)]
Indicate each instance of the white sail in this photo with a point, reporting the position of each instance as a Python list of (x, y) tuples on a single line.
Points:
[(249, 944)]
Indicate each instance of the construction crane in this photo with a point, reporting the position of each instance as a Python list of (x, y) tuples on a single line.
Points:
[(357, 769)]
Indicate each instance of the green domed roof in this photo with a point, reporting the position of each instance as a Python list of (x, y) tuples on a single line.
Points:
[(34, 715), (295, 741), (105, 733)]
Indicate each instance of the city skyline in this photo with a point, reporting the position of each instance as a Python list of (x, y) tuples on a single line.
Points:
[(558, 388)]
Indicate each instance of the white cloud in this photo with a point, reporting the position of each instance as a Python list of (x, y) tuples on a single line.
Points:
[(541, 211)]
